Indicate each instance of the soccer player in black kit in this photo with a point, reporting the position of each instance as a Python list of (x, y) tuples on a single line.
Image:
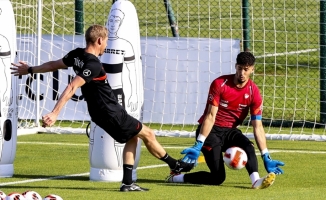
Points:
[(102, 104)]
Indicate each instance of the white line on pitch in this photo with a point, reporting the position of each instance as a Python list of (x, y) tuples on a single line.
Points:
[(167, 147), (67, 176), (53, 143), (42, 179), (287, 53)]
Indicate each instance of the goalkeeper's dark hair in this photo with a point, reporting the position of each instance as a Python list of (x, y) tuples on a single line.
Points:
[(94, 32), (246, 59)]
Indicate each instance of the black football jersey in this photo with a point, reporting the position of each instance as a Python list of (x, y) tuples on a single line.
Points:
[(96, 91)]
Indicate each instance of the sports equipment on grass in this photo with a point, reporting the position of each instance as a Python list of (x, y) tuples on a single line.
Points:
[(201, 159), (2, 195), (132, 188), (272, 165), (15, 196), (52, 197), (122, 62), (235, 158), (8, 90), (31, 195), (264, 182)]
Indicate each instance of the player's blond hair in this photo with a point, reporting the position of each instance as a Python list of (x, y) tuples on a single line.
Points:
[(94, 32)]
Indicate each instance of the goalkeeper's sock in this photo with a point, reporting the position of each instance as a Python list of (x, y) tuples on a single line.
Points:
[(254, 177), (127, 174), (169, 160)]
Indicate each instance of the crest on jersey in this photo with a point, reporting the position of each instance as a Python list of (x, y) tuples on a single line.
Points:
[(87, 72), (246, 96)]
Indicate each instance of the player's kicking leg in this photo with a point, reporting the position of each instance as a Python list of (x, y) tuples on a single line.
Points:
[(155, 148)]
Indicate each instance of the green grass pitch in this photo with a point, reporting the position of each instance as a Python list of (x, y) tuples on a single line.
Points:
[(59, 164)]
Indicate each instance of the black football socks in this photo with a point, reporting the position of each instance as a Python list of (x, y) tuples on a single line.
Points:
[(127, 174), (169, 160)]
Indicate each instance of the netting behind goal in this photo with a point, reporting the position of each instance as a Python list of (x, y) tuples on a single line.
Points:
[(283, 35)]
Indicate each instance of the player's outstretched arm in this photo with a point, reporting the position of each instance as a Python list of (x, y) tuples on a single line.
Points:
[(22, 68), (50, 118), (192, 153), (259, 133)]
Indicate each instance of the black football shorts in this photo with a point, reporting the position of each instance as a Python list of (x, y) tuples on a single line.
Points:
[(225, 138), (121, 127)]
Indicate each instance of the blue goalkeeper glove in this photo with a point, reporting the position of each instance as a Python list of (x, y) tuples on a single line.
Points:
[(192, 153), (272, 165)]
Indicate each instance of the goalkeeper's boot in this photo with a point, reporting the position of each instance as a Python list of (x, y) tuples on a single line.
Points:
[(182, 167), (169, 178), (264, 182), (132, 188)]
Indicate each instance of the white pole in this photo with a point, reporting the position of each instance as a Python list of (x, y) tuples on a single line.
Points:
[(39, 42)]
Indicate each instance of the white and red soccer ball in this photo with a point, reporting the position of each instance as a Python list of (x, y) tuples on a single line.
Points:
[(52, 197), (15, 196), (27, 195), (2, 195), (235, 158), (31, 195)]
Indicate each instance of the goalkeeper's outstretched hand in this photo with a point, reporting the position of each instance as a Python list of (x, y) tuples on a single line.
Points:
[(272, 165), (192, 153)]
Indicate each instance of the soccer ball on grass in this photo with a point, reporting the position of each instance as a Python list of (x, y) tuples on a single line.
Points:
[(2, 195), (15, 196), (235, 158), (52, 197), (32, 195)]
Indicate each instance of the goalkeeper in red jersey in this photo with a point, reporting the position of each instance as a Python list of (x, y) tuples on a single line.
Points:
[(229, 101)]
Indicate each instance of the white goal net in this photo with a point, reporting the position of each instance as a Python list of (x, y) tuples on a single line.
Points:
[(177, 71)]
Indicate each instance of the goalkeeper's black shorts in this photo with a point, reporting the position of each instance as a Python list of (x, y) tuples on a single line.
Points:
[(225, 137)]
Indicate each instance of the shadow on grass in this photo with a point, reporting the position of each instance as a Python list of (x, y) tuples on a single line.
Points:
[(110, 186)]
